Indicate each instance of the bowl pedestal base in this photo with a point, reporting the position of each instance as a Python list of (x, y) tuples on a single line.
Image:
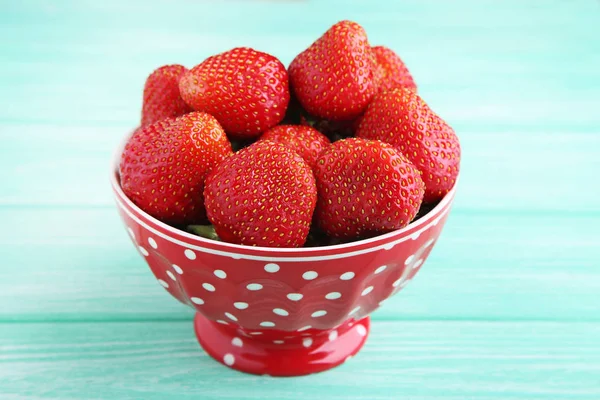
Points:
[(280, 353)]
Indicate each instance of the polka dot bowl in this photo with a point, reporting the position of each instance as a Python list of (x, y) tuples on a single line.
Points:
[(281, 312)]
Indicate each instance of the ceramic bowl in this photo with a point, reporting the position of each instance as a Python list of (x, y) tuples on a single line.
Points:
[(281, 312)]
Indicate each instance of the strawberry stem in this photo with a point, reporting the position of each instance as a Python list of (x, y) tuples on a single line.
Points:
[(206, 231)]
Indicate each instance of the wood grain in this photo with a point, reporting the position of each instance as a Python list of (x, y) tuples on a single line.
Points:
[(506, 307), (486, 266), (413, 360)]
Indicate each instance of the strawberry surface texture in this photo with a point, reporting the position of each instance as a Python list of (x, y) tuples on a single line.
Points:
[(163, 166), (365, 187), (161, 95), (401, 118), (263, 195), (246, 90)]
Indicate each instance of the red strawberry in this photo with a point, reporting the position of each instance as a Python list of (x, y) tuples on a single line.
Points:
[(400, 117), (263, 195), (334, 77), (161, 95), (246, 90), (391, 71), (304, 140), (163, 166), (365, 187)]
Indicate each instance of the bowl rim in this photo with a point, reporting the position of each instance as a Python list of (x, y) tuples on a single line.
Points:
[(301, 252)]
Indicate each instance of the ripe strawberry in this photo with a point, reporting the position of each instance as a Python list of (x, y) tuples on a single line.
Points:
[(161, 95), (304, 140), (246, 90), (163, 166), (365, 187), (334, 77), (400, 117), (391, 71), (263, 195)]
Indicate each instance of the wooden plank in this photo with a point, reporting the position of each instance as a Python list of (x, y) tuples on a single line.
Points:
[(488, 52), (412, 360), (79, 264), (501, 170)]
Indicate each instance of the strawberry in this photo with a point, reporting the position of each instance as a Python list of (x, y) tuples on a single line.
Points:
[(263, 195), (334, 77), (391, 70), (365, 187), (163, 166), (161, 95), (304, 140), (246, 90), (400, 117)]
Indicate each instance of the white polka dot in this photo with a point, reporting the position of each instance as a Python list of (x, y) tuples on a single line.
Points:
[(190, 254), (143, 251), (333, 295), (294, 296), (256, 333), (208, 287), (236, 256), (415, 235), (254, 286), (152, 243), (231, 316), (388, 246), (309, 275), (272, 268), (418, 264), (237, 342), (178, 269), (220, 274), (436, 221), (304, 328), (409, 259), (163, 283), (171, 275), (222, 322), (346, 276), (429, 243), (367, 291), (362, 331), (333, 335), (197, 300), (240, 305), (281, 311), (307, 342), (318, 313), (279, 341), (380, 269), (131, 233), (267, 324), (354, 310), (397, 282), (229, 359)]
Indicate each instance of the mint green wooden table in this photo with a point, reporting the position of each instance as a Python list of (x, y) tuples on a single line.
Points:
[(508, 304)]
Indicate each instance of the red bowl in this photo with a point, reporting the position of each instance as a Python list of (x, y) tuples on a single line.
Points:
[(281, 312)]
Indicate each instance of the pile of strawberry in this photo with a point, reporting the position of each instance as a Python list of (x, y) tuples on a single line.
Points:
[(339, 146)]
